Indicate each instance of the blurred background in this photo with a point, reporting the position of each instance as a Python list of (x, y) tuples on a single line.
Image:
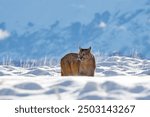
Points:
[(39, 29)]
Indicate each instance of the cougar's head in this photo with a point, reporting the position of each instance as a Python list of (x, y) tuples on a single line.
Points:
[(84, 53)]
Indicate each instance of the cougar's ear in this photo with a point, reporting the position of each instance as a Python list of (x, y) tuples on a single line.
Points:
[(80, 48), (90, 48)]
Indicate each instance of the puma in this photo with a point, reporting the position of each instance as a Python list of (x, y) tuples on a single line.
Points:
[(78, 64)]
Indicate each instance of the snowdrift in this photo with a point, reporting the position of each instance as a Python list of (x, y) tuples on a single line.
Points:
[(115, 78)]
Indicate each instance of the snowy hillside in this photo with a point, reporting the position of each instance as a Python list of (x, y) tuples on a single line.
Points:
[(121, 27), (115, 78), (106, 66), (121, 87)]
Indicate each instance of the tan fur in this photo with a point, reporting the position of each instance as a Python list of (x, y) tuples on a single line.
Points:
[(70, 65), (87, 67), (81, 64)]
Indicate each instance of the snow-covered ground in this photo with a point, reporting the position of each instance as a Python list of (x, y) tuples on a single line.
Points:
[(115, 78)]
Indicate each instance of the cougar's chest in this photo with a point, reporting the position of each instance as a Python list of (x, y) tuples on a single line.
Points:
[(85, 66)]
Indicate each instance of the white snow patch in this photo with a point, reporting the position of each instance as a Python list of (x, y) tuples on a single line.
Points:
[(4, 34), (75, 88), (102, 24)]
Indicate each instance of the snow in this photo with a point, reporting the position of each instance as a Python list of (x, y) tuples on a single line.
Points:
[(72, 88), (116, 78), (102, 25), (4, 34)]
